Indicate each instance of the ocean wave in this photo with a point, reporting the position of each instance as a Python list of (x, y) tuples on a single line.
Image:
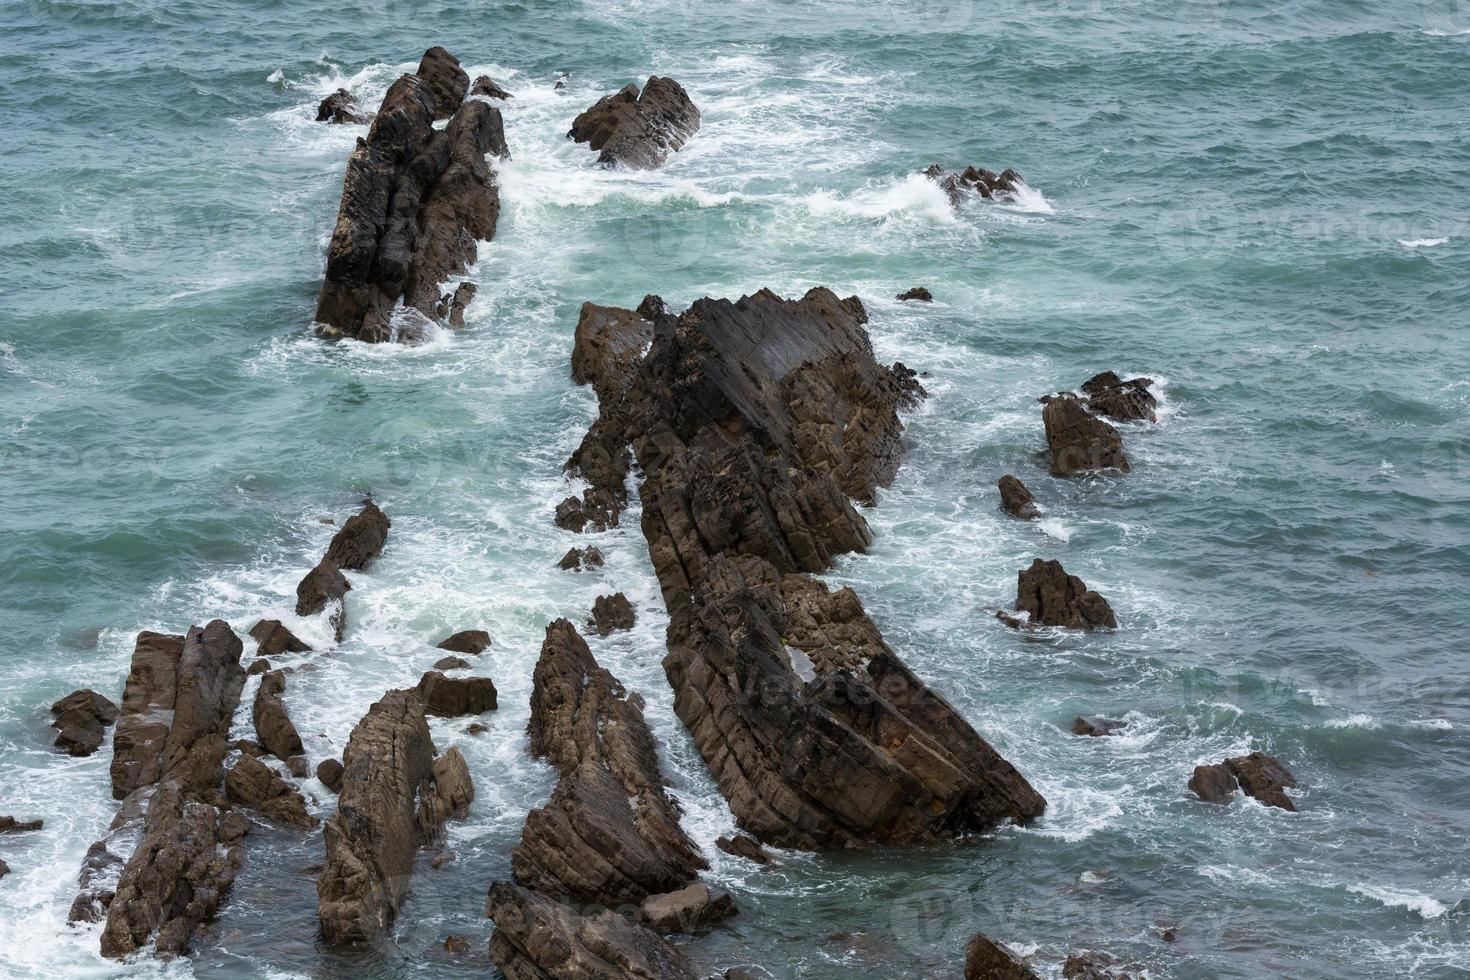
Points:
[(1425, 906), (1422, 242)]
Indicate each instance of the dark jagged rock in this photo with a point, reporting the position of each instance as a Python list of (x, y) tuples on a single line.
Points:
[(80, 719), (273, 726), (248, 747), (1051, 597), (1016, 499), (394, 799), (274, 639), (974, 182), (611, 833), (340, 107), (756, 424), (538, 938), (742, 846), (451, 306), (1095, 726), (1079, 441), (1258, 774), (1091, 966), (329, 772), (452, 663), (360, 539), (473, 642), (487, 87), (445, 78), (687, 910), (147, 712), (636, 130), (325, 584), (919, 293), (10, 825), (610, 613), (580, 559), (252, 783), (986, 959), (453, 697), (415, 201), (1127, 401)]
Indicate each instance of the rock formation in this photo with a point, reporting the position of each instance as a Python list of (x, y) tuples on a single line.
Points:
[(473, 642), (1259, 775), (324, 585), (986, 959), (745, 847), (10, 825), (1091, 966), (147, 712), (580, 559), (1078, 440), (756, 424), (340, 107), (687, 910), (974, 182), (454, 697), (360, 539), (1051, 597), (1016, 499), (415, 201), (1095, 726), (488, 88), (80, 719), (636, 130), (395, 797), (610, 613), (451, 663), (1127, 401), (275, 639), (252, 783), (916, 293), (273, 726), (329, 772)]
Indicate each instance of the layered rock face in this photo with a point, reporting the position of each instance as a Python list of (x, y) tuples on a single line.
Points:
[(360, 539), (1051, 597), (341, 108), (756, 424), (415, 201), (986, 959), (610, 833), (273, 725), (395, 797), (638, 130), (274, 639), (147, 712)]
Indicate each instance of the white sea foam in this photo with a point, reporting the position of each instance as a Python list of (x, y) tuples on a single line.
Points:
[(1422, 242), (1053, 528), (1426, 906), (914, 197), (1354, 721)]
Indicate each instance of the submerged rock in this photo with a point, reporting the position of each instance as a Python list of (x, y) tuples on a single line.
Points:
[(360, 539), (756, 424), (1051, 597), (1079, 441), (1016, 499), (1258, 774), (919, 293), (1126, 401), (10, 825), (986, 959), (341, 108), (610, 613), (538, 937), (451, 663), (638, 130), (473, 642), (325, 584), (415, 201), (973, 182), (80, 719), (395, 797), (489, 88), (454, 697), (1091, 966), (1095, 726), (274, 639), (742, 846)]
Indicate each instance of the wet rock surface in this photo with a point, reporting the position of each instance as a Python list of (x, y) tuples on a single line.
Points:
[(1127, 401), (324, 586), (473, 642), (1095, 726), (252, 783), (10, 825), (341, 108), (638, 129), (580, 559), (689, 909), (1077, 440), (415, 202), (487, 87), (146, 712), (916, 293), (329, 772), (974, 182), (1259, 775), (1016, 499), (611, 613), (81, 719), (1051, 597), (360, 539), (756, 424), (743, 846), (275, 639), (454, 697), (273, 726)]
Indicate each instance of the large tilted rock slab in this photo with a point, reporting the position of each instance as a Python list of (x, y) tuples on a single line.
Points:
[(756, 424), (323, 587), (252, 783), (210, 679), (638, 130), (415, 201), (611, 833), (539, 938), (394, 798), (1051, 597), (147, 712)]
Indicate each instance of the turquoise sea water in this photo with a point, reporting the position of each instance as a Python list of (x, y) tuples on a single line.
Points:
[(1262, 205)]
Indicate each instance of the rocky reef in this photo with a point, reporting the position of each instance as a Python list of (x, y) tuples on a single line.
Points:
[(637, 129)]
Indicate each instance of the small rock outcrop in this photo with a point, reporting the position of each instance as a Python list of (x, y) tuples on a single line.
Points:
[(986, 959), (1051, 597), (580, 559), (539, 938), (1127, 401), (252, 783), (1016, 499), (454, 697), (360, 539), (1095, 726), (1091, 966), (473, 642), (689, 909), (1258, 774), (611, 613), (415, 201), (324, 585), (273, 726), (10, 825), (916, 293), (610, 833), (80, 720), (451, 663), (1079, 441), (274, 639), (341, 108), (743, 846), (329, 772), (489, 88), (395, 797), (974, 182), (638, 130)]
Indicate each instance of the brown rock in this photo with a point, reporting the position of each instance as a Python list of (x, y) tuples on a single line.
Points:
[(275, 639), (687, 910), (580, 559), (986, 959), (208, 690), (1096, 726), (10, 825), (90, 702), (1127, 401), (1053, 598), (477, 729), (147, 706), (611, 612), (635, 130), (974, 182), (446, 78), (451, 663), (473, 642), (454, 697), (341, 108), (459, 945), (1078, 441), (78, 731), (919, 293), (486, 86), (1213, 784), (322, 585), (1264, 777), (360, 539), (742, 846), (1091, 966), (273, 725), (1017, 500), (258, 667), (252, 783), (329, 771)]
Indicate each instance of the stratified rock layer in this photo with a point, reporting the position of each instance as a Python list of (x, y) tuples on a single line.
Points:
[(273, 725), (756, 424), (986, 959), (638, 130)]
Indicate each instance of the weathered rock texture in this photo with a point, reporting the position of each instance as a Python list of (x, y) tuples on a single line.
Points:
[(756, 424), (252, 783), (1127, 401), (638, 130), (1095, 726), (341, 108), (324, 586), (1017, 499), (611, 833), (610, 613), (415, 201), (273, 725), (689, 909), (1079, 441), (539, 938), (1051, 597), (147, 712), (452, 697), (275, 639), (395, 798), (916, 293), (1258, 774), (466, 641), (360, 539), (80, 719), (986, 959), (973, 182)]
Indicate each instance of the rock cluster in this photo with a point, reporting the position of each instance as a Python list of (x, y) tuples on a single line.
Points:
[(454, 697), (415, 201), (252, 783), (395, 797), (756, 424), (1258, 774), (917, 293), (1051, 597), (1079, 441), (638, 130), (972, 182), (80, 719)]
